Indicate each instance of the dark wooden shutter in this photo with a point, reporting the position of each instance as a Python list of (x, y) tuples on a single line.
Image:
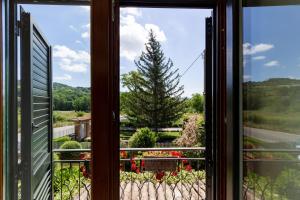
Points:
[(36, 111)]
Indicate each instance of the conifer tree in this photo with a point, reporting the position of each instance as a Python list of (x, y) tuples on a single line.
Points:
[(155, 94)]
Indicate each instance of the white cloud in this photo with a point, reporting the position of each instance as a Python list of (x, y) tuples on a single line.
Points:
[(247, 77), (272, 63), (249, 49), (77, 41), (86, 34), (86, 8), (131, 11), (65, 77), (73, 28), (259, 57), (133, 35), (71, 60)]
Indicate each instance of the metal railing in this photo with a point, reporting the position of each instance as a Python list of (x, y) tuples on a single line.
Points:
[(271, 174), (71, 177), (162, 173), (145, 173)]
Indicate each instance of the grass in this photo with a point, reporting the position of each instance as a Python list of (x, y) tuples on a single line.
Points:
[(64, 118), (284, 121)]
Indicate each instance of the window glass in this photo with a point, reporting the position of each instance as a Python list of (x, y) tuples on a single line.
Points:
[(271, 102)]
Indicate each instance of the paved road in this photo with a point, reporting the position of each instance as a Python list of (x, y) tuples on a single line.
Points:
[(271, 136)]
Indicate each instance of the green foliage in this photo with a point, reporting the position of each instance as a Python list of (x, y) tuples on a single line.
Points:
[(79, 114), (143, 137), (65, 182), (272, 104), (167, 136), (58, 118), (154, 99), (196, 103), (182, 176), (82, 103), (62, 139), (71, 98), (70, 155), (288, 184)]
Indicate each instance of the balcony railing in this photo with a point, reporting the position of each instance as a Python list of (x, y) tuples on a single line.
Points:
[(162, 173), (145, 173), (271, 174), (166, 173), (71, 179)]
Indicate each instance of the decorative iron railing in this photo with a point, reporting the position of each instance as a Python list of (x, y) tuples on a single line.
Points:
[(271, 174), (162, 173), (71, 180), (145, 173)]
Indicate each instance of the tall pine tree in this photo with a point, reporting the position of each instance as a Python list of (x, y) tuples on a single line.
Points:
[(155, 94)]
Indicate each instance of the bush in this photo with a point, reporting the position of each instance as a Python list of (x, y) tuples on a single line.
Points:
[(193, 132), (79, 114), (62, 139), (143, 137), (58, 118), (70, 155)]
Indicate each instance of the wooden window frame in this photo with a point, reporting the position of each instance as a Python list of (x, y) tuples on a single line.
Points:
[(105, 88)]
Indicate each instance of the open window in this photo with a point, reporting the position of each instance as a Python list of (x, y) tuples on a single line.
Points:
[(36, 169)]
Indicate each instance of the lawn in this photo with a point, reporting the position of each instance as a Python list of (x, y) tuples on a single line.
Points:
[(278, 121), (64, 118)]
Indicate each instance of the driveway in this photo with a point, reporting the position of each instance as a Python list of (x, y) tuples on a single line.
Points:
[(271, 136)]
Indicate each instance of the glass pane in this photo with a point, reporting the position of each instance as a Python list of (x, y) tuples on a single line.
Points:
[(162, 137), (271, 102)]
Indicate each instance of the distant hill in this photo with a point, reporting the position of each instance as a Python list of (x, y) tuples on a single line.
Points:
[(66, 97), (276, 95)]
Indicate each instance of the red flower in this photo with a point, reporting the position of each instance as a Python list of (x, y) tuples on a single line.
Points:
[(143, 163), (123, 154), (174, 173), (133, 166), (185, 162), (160, 175), (137, 170), (176, 154), (188, 168)]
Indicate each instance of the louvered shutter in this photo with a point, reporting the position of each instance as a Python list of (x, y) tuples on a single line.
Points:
[(36, 111)]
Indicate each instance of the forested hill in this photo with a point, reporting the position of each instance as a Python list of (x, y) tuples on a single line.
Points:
[(66, 97), (276, 94), (276, 82)]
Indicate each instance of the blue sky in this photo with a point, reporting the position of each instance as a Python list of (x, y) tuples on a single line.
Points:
[(271, 43), (180, 31)]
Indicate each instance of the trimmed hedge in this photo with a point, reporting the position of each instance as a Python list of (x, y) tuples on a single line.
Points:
[(143, 137), (70, 155)]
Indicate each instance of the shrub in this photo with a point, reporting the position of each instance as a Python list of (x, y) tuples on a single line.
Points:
[(62, 139), (143, 137), (58, 118), (79, 114), (193, 132), (70, 155)]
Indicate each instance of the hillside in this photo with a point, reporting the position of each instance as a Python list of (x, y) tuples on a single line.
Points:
[(273, 104), (71, 98)]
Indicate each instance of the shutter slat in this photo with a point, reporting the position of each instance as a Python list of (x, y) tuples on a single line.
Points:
[(37, 120)]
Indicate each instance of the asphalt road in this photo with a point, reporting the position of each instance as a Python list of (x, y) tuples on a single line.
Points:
[(271, 136)]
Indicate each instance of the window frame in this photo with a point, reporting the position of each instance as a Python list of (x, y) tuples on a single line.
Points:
[(105, 53)]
